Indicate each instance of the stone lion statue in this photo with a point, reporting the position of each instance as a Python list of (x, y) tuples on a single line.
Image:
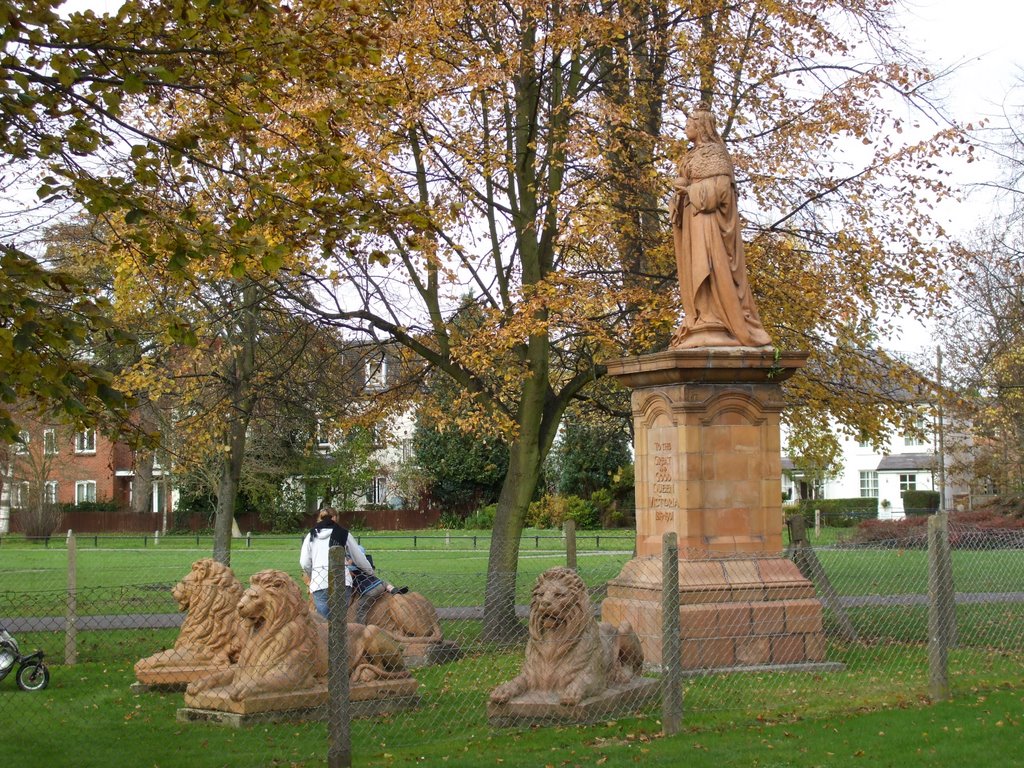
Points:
[(409, 617), (285, 647), (568, 652), (211, 632), (373, 654)]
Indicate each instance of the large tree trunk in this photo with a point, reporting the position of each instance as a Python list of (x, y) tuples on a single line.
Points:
[(525, 458), (142, 480), (227, 490), (142, 483), (538, 419), (240, 375)]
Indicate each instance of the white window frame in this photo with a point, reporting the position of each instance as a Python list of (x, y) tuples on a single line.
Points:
[(21, 491), (908, 482), (49, 442), (89, 489), (85, 441), (378, 494), (21, 446), (321, 438), (51, 492), (868, 484), (913, 440), (377, 373)]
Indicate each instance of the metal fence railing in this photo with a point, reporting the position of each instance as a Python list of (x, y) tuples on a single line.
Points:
[(874, 625)]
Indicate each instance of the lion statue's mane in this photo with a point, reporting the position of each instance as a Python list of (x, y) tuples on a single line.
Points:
[(285, 646), (568, 652), (209, 595), (210, 635)]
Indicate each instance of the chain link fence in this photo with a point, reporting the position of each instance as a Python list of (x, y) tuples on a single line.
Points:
[(814, 631)]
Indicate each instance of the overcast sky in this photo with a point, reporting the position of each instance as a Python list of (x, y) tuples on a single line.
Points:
[(981, 40)]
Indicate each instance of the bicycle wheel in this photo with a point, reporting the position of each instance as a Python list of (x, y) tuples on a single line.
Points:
[(33, 677)]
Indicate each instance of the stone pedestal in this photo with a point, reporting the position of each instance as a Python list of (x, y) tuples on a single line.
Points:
[(544, 707), (170, 676), (708, 466), (366, 700)]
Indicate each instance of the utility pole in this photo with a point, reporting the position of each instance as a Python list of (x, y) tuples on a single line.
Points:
[(941, 430)]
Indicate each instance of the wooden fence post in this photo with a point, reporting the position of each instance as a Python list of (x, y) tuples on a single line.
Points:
[(71, 607), (569, 532), (671, 661), (940, 607), (339, 734)]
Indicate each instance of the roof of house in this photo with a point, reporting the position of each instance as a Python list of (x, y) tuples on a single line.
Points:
[(904, 461)]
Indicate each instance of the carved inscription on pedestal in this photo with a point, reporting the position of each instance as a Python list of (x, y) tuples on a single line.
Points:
[(663, 499)]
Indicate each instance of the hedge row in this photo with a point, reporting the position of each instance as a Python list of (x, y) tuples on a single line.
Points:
[(920, 502), (840, 513)]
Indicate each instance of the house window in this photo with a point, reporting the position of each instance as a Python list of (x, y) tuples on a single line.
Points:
[(21, 494), (21, 446), (50, 492), (377, 373), (869, 484), (85, 491), (908, 482), (378, 494), (322, 440), (85, 441), (50, 442), (916, 438)]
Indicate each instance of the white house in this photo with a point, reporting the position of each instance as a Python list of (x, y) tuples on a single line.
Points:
[(909, 462)]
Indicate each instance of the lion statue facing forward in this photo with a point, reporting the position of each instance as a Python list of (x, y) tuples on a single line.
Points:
[(285, 646), (210, 635), (568, 652)]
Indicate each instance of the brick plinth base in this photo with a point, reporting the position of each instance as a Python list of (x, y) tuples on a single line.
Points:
[(733, 612)]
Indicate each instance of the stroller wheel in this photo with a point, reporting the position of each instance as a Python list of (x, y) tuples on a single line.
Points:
[(33, 677)]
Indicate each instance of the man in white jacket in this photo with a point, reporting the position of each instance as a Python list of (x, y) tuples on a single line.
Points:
[(313, 558)]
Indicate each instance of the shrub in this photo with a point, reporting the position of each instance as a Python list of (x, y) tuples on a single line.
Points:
[(91, 506), (840, 513), (920, 502), (482, 519), (980, 529), (909, 533), (450, 519), (550, 511)]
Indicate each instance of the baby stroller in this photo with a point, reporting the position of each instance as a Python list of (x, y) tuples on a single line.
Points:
[(32, 672)]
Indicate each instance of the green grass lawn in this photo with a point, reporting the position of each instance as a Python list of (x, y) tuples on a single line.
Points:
[(88, 717), (873, 709)]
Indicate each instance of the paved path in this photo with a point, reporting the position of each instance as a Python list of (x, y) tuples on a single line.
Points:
[(466, 613)]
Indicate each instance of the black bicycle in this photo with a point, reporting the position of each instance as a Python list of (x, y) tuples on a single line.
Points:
[(32, 672)]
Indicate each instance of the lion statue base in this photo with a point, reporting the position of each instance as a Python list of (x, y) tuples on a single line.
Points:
[(575, 669), (211, 634)]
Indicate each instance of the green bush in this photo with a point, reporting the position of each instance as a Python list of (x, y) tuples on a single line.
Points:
[(552, 510), (920, 502), (482, 519), (840, 513), (450, 520), (91, 506)]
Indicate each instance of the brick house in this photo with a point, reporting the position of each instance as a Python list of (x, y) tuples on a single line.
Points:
[(55, 465)]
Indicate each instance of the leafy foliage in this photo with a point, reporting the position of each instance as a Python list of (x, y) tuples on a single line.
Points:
[(92, 109), (840, 513), (550, 511), (588, 454), (462, 469)]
